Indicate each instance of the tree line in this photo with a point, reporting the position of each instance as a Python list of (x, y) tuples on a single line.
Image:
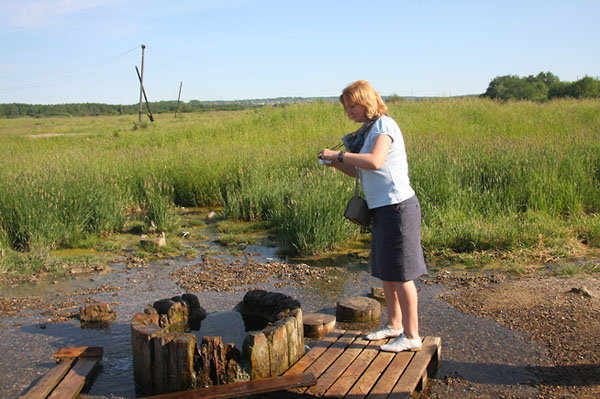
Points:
[(542, 87), (16, 110)]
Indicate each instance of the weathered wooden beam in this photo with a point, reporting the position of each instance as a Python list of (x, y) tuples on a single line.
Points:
[(49, 381), (246, 388), (76, 378), (55, 377)]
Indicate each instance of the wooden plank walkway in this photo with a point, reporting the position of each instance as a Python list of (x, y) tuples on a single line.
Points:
[(348, 366), (68, 378)]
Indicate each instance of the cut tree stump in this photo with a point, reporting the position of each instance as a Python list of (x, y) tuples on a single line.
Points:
[(317, 325), (68, 378), (358, 309)]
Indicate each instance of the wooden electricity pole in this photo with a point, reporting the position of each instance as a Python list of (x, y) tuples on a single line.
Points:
[(142, 82), (145, 97), (178, 98)]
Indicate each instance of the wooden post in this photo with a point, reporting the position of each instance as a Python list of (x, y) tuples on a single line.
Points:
[(145, 98), (178, 98), (141, 81)]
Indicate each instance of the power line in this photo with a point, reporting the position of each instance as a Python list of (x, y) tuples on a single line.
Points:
[(69, 76), (175, 72)]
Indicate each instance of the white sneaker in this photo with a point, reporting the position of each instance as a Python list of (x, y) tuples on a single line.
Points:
[(402, 343), (384, 332)]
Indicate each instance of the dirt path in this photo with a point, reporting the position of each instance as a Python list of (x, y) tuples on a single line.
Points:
[(560, 314), (532, 337)]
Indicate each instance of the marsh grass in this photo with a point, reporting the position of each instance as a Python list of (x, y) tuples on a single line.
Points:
[(492, 177)]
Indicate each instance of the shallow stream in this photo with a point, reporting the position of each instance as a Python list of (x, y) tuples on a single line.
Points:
[(487, 355)]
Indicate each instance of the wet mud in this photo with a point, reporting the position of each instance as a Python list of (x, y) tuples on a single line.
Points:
[(38, 319)]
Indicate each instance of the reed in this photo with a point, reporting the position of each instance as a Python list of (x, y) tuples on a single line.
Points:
[(490, 176)]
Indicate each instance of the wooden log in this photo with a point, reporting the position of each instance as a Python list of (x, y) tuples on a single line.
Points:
[(256, 350), (211, 364), (242, 389), (181, 352), (318, 325), (358, 309), (299, 330), (278, 345), (295, 349), (75, 380), (160, 361), (142, 350), (49, 381)]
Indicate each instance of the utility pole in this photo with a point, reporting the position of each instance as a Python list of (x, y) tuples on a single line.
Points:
[(145, 97), (142, 82), (178, 98)]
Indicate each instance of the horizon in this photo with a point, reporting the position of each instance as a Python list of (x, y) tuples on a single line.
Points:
[(72, 52)]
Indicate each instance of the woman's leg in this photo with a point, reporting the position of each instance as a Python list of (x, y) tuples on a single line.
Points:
[(392, 305), (402, 305)]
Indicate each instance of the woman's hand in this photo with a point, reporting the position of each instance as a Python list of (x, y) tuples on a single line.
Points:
[(328, 155)]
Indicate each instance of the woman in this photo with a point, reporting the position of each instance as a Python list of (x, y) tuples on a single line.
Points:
[(376, 153)]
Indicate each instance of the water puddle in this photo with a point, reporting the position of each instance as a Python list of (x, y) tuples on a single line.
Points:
[(472, 347)]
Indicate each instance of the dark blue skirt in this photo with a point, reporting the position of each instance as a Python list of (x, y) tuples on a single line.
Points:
[(396, 251)]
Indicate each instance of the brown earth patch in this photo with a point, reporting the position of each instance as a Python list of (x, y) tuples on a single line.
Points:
[(560, 314)]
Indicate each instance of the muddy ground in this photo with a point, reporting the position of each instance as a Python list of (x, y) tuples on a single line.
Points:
[(560, 314), (550, 326)]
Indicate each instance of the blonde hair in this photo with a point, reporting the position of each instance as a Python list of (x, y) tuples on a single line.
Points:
[(361, 92)]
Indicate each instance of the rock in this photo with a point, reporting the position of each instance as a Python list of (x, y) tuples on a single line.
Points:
[(159, 241), (377, 293), (96, 313), (212, 215), (584, 291)]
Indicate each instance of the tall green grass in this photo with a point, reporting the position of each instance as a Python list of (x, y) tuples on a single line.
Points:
[(490, 176)]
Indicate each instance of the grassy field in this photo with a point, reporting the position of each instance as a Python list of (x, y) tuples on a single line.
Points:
[(497, 181)]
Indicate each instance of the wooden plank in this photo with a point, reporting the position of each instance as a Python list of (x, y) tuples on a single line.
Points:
[(73, 352), (245, 388), (371, 375), (301, 365), (74, 382), (49, 381), (351, 375), (333, 352), (391, 375), (417, 372), (337, 368)]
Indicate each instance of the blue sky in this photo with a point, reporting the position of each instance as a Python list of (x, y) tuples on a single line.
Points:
[(72, 51)]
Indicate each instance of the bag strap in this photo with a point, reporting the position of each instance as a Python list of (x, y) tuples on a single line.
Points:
[(369, 127)]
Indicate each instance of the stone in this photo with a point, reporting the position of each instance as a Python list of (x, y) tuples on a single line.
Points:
[(96, 313), (377, 293), (159, 241)]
